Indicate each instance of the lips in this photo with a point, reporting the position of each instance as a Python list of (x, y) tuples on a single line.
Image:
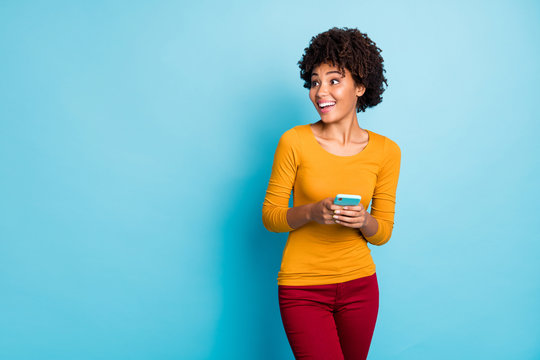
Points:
[(327, 107), (325, 102)]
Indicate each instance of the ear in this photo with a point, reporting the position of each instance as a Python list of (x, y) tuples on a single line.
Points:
[(360, 90)]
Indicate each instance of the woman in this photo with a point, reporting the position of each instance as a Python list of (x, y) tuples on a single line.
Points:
[(327, 285)]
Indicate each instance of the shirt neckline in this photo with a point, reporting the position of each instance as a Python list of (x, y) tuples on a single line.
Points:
[(370, 140)]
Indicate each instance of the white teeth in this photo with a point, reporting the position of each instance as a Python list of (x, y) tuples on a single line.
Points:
[(327, 104)]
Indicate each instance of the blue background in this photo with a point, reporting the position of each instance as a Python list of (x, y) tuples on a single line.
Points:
[(136, 144)]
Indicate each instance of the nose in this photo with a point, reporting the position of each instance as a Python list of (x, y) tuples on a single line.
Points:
[(322, 90)]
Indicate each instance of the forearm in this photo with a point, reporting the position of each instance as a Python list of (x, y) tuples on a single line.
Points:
[(299, 215), (377, 231), (370, 227)]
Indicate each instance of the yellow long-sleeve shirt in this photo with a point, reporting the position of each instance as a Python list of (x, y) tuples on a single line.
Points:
[(317, 254)]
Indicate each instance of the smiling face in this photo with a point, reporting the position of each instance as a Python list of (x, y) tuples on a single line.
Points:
[(334, 94)]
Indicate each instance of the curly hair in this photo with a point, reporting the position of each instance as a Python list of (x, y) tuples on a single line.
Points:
[(350, 49)]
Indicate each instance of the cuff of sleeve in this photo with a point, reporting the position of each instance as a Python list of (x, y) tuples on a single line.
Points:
[(284, 224), (274, 218)]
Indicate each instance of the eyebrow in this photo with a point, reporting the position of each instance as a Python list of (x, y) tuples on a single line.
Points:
[(330, 72)]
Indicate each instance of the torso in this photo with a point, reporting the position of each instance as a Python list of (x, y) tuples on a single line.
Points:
[(358, 143)]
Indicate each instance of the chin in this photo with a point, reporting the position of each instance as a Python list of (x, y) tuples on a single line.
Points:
[(327, 120)]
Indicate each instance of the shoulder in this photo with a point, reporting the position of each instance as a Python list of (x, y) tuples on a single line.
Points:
[(292, 136), (392, 148), (389, 147)]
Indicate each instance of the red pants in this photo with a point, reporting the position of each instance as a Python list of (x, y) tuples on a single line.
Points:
[(334, 321)]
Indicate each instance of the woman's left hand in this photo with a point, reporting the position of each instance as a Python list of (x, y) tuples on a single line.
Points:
[(350, 216)]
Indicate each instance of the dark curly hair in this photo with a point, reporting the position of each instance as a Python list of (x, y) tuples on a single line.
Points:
[(350, 49)]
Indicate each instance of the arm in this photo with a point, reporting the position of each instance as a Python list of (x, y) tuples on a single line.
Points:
[(384, 197), (299, 215), (370, 227), (275, 210)]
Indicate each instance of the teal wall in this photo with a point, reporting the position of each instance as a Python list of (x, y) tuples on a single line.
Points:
[(136, 143)]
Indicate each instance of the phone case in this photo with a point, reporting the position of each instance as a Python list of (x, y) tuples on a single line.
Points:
[(347, 199)]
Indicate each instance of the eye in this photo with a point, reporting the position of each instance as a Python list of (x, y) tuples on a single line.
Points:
[(313, 83), (335, 80)]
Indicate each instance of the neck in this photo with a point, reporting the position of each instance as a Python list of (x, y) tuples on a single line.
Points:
[(342, 129)]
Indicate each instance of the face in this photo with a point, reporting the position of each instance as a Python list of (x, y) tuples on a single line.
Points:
[(335, 90)]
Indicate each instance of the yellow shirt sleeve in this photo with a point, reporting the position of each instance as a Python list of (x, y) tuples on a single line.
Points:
[(384, 196), (276, 202)]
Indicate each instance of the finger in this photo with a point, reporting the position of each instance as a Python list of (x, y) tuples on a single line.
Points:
[(357, 211), (333, 207), (329, 202), (349, 213), (336, 207), (350, 219), (329, 220), (359, 207), (345, 219), (349, 225)]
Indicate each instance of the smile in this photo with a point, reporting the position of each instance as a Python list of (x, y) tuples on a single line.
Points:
[(327, 107)]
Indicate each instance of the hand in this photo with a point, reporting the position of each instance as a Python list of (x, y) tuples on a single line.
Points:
[(322, 212), (350, 216)]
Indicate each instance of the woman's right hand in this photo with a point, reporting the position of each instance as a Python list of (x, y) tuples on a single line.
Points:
[(322, 212)]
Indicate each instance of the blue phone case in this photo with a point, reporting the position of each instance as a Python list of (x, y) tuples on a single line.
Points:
[(347, 199)]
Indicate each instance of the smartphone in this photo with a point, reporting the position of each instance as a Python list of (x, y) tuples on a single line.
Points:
[(347, 199)]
